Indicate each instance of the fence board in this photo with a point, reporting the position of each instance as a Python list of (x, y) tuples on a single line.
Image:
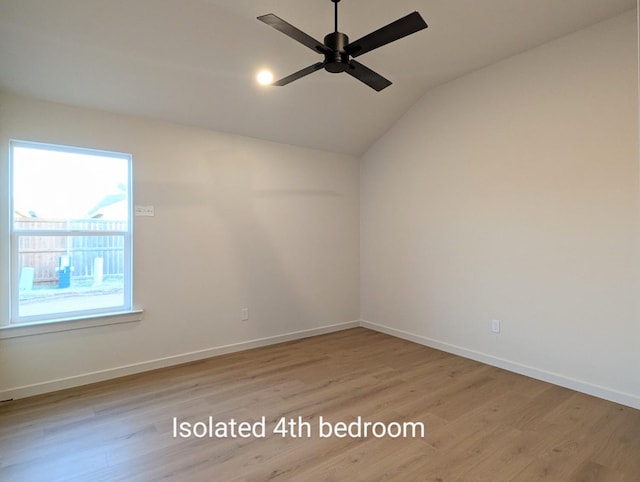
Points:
[(43, 252)]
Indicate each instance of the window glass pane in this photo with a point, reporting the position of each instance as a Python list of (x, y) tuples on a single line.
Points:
[(71, 236), (57, 184), (99, 224), (64, 274)]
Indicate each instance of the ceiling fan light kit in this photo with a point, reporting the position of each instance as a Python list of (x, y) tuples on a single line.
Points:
[(339, 53)]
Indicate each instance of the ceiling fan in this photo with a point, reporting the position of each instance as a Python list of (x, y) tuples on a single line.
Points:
[(338, 52)]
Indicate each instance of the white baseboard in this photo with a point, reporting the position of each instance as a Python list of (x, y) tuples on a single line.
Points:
[(546, 376), (101, 375)]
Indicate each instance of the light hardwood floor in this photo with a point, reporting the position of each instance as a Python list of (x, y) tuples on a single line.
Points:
[(481, 423)]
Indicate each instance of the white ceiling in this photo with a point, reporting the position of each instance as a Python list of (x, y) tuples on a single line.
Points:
[(194, 61)]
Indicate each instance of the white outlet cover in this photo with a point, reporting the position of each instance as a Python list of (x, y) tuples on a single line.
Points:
[(495, 326)]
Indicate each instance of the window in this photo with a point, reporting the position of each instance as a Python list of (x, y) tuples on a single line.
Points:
[(70, 232)]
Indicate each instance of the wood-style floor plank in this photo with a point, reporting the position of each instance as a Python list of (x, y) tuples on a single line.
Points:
[(481, 423)]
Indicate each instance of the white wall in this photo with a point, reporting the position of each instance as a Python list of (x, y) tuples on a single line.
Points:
[(238, 223), (512, 194)]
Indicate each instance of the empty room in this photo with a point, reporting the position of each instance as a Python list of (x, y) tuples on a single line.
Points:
[(319, 240)]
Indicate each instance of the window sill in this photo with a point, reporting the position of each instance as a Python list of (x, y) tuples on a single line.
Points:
[(67, 324)]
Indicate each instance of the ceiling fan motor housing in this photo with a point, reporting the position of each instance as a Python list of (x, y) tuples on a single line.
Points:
[(337, 60)]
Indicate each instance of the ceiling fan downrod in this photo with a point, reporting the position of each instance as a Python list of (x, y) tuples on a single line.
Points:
[(337, 59)]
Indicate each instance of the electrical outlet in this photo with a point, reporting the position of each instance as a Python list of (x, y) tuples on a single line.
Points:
[(495, 326), (244, 314)]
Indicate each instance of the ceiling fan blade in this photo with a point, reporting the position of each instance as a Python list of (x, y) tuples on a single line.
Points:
[(291, 31), (394, 31), (368, 76), (299, 74)]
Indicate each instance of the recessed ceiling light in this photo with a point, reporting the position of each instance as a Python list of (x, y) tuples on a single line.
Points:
[(265, 77)]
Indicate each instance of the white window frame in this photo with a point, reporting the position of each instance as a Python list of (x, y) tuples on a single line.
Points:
[(26, 325)]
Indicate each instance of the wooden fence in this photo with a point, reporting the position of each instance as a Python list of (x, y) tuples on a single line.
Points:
[(44, 253)]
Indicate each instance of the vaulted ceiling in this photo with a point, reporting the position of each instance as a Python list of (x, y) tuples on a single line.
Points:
[(194, 61)]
